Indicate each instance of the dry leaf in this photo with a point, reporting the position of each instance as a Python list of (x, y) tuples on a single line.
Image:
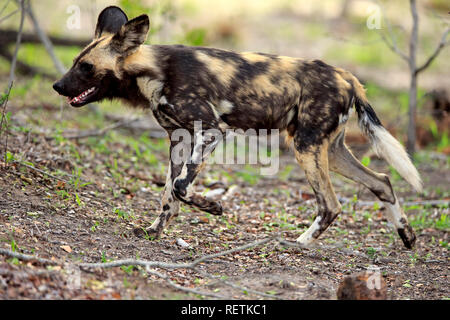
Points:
[(66, 248)]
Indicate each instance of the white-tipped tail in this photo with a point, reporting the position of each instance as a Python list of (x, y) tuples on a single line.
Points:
[(388, 148)]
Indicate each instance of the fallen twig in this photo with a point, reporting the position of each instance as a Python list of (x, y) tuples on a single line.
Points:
[(148, 265), (181, 288), (337, 249), (40, 171), (235, 286), (165, 265), (25, 257)]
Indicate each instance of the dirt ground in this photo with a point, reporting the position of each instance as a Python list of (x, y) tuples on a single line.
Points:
[(61, 217)]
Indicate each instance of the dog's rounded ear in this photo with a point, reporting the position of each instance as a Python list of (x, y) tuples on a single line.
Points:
[(131, 35), (110, 20)]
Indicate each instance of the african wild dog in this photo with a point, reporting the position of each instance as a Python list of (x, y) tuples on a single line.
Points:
[(307, 99)]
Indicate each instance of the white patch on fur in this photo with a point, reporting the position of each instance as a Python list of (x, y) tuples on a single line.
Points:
[(163, 100), (225, 107), (182, 175), (169, 178), (387, 147), (307, 236), (151, 89), (343, 118), (290, 116), (214, 110)]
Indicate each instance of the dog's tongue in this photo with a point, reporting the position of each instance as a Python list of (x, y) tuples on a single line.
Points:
[(81, 96)]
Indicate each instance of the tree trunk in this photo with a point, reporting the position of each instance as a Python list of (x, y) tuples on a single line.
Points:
[(412, 104)]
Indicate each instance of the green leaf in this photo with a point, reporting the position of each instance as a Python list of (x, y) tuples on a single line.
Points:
[(365, 161)]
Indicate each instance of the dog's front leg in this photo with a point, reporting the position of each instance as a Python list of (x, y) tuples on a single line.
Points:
[(204, 145), (169, 204)]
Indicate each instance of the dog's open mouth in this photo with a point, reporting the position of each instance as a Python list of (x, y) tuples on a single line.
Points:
[(82, 98)]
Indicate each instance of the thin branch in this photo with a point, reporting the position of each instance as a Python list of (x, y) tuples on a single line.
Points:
[(45, 41), (8, 36), (18, 42), (436, 52), (393, 46), (9, 15), (49, 47), (244, 247), (4, 6), (12, 74), (24, 68)]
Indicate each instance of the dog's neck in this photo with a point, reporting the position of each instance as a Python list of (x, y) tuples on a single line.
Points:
[(143, 62), (136, 78)]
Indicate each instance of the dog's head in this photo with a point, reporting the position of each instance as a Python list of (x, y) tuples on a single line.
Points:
[(96, 71)]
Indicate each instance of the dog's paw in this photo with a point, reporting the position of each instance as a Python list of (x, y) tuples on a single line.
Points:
[(214, 208), (408, 236), (146, 233), (305, 241)]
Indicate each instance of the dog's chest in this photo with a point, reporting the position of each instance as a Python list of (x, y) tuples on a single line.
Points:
[(151, 90)]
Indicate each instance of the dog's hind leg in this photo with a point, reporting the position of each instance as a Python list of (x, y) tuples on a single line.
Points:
[(342, 161), (315, 164)]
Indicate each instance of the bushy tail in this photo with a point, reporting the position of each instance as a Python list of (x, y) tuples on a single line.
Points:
[(383, 143)]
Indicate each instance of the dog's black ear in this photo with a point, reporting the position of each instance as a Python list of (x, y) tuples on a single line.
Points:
[(110, 20), (131, 35)]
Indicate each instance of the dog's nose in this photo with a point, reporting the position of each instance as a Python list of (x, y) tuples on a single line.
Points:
[(58, 87)]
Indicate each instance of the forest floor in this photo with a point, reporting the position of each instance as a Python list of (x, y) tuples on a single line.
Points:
[(97, 189)]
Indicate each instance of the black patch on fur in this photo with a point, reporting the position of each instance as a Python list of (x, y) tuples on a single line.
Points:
[(125, 89), (409, 243), (382, 195), (110, 20), (366, 108)]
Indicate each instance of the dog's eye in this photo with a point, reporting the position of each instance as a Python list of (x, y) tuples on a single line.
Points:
[(86, 67)]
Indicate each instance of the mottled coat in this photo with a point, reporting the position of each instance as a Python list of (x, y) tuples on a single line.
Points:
[(308, 99)]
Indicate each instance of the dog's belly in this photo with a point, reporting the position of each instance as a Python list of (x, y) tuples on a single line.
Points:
[(258, 116)]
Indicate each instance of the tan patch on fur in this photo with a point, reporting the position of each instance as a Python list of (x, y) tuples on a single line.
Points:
[(286, 64), (141, 60), (100, 57), (151, 89), (224, 70), (317, 174), (360, 92), (281, 67), (254, 57), (262, 85)]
